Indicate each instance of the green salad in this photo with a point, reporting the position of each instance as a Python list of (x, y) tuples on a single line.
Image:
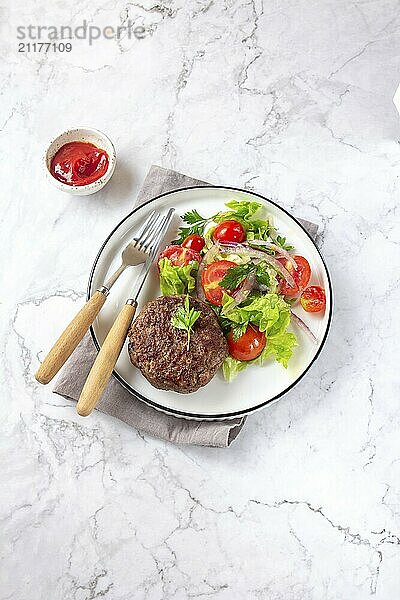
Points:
[(237, 262)]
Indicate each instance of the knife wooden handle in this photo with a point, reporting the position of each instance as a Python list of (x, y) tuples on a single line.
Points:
[(70, 338), (104, 364)]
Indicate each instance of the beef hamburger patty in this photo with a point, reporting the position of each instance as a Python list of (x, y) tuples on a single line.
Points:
[(159, 349)]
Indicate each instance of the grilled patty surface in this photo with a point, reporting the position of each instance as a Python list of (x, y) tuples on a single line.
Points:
[(159, 349)]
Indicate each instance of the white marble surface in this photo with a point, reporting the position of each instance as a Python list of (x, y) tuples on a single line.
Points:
[(291, 98)]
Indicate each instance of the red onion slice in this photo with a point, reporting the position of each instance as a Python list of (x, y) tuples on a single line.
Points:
[(244, 290), (281, 251), (278, 267), (210, 254), (233, 244), (199, 286), (252, 253), (271, 260), (304, 327), (261, 287)]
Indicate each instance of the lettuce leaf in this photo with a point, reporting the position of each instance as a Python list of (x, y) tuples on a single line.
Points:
[(241, 209), (244, 212), (177, 280), (281, 346), (231, 367), (271, 314)]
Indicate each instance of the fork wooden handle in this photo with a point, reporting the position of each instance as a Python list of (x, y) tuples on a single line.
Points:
[(104, 364), (70, 338)]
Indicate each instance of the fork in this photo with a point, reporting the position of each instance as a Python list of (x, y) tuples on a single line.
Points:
[(135, 253), (110, 350)]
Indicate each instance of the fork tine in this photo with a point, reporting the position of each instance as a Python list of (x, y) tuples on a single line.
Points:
[(151, 233), (144, 227), (157, 238), (146, 245), (166, 220)]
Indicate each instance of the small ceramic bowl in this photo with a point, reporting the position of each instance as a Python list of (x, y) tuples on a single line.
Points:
[(81, 134)]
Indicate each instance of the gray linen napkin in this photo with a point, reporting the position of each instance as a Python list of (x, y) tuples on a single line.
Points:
[(116, 400)]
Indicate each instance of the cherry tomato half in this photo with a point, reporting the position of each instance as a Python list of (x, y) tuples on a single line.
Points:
[(313, 299), (249, 345), (194, 242), (301, 276), (211, 277), (179, 256), (229, 231)]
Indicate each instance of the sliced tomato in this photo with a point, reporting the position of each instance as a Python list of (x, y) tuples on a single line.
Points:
[(179, 256), (194, 242), (211, 277), (301, 276), (313, 299), (249, 345), (229, 231)]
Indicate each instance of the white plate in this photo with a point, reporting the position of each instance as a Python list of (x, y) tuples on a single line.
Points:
[(256, 386)]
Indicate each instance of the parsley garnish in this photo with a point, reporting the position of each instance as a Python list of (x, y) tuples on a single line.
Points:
[(197, 224), (262, 274), (224, 322), (236, 275), (184, 318), (193, 217), (281, 241), (238, 330)]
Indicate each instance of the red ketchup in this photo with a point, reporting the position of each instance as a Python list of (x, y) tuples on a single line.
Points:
[(79, 163)]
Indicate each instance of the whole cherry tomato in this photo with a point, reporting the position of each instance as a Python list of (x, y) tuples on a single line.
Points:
[(313, 299), (211, 277), (179, 256), (229, 231), (301, 276), (194, 242), (249, 345)]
